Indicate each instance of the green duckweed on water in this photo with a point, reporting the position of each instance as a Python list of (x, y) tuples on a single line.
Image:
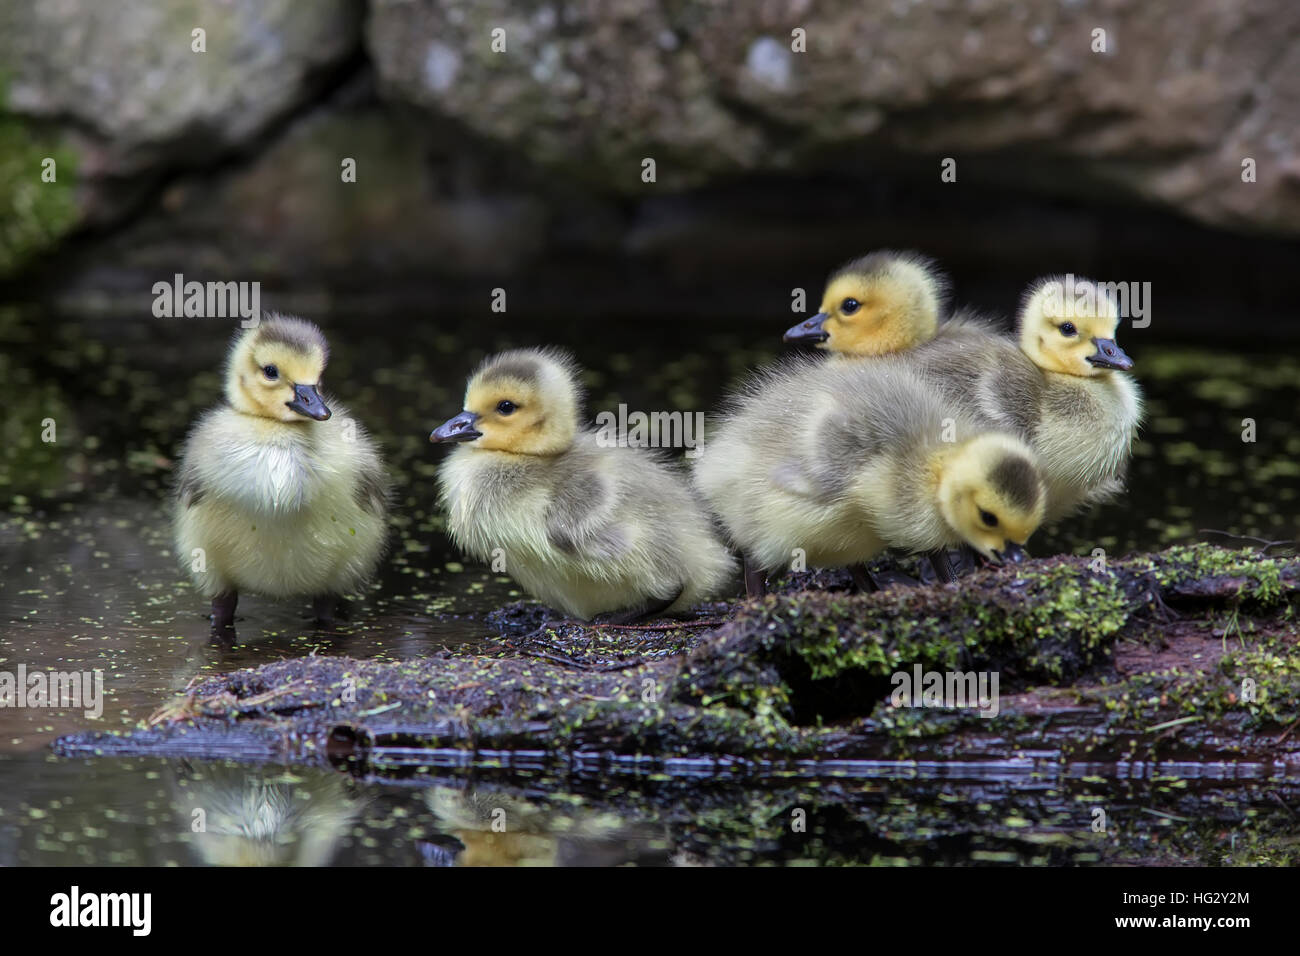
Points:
[(1120, 688)]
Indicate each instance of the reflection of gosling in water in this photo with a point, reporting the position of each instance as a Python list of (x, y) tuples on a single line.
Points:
[(277, 492), (586, 528), (498, 829), (252, 817)]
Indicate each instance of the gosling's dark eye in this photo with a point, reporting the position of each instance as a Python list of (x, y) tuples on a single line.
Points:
[(270, 371), (849, 306), (1068, 329), (989, 518), (506, 407)]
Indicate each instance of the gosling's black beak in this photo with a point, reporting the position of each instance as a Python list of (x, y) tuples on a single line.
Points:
[(460, 428), (307, 401), (809, 330), (1110, 355), (1013, 554)]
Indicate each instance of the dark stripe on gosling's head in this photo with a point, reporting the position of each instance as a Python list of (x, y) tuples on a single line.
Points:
[(527, 366), (522, 370), (296, 333), (883, 261), (873, 263), (1016, 480)]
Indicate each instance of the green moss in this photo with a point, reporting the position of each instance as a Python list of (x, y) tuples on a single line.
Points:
[(1256, 686), (1052, 623), (1260, 577), (34, 214)]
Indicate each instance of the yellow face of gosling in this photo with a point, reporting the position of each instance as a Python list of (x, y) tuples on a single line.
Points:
[(522, 403), (878, 305), (992, 495), (1072, 335), (275, 371)]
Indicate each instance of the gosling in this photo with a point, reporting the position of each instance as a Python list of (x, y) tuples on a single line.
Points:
[(586, 528), (834, 463), (278, 494), (878, 304)]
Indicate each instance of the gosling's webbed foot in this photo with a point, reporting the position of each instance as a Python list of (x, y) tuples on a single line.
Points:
[(755, 579)]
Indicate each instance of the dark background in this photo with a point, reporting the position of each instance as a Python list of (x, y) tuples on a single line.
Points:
[(522, 169)]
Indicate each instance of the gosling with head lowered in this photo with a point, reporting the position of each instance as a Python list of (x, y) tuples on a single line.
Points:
[(835, 462), (278, 492), (585, 527)]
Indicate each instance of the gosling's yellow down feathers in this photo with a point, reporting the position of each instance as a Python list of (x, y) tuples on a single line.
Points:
[(834, 462), (583, 527), (278, 492)]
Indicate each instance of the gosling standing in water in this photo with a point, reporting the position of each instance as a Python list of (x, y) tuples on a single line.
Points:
[(278, 493), (839, 461), (585, 528)]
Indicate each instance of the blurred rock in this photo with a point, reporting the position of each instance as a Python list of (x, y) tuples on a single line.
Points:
[(290, 212), (478, 169), (1012, 90), (122, 87), (126, 73)]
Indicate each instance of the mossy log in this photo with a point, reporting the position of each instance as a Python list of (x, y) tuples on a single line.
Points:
[(1189, 654)]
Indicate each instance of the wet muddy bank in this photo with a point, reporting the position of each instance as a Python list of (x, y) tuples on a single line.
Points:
[(1182, 655)]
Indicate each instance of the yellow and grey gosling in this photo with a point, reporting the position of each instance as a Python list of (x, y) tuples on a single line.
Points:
[(585, 528), (832, 463), (278, 493), (1064, 389), (878, 304)]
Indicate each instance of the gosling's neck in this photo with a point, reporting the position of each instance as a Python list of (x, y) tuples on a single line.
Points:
[(928, 492), (1107, 382)]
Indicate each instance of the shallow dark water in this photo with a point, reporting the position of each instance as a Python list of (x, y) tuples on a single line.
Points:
[(89, 582), (166, 812)]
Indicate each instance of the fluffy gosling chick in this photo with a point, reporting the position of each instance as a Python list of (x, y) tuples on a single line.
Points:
[(840, 462), (584, 528), (1065, 389), (880, 303), (277, 493)]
